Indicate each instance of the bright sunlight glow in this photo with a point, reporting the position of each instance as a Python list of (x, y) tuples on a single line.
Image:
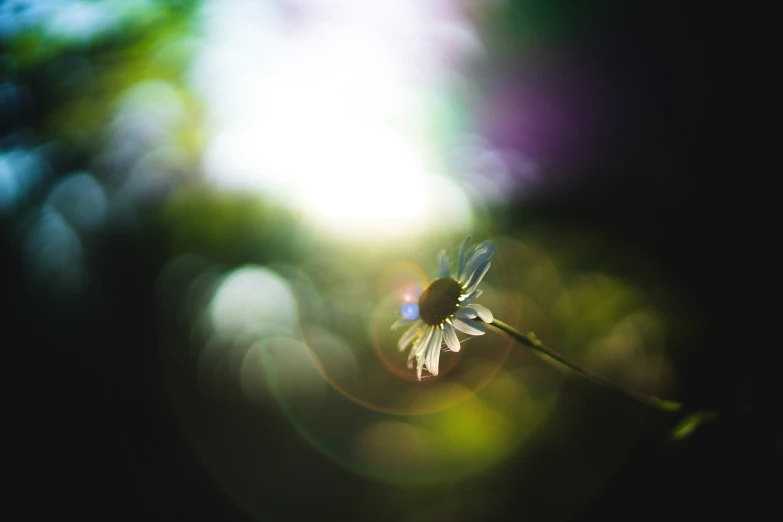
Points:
[(324, 105)]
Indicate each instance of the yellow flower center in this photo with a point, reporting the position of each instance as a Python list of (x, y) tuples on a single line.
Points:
[(439, 300)]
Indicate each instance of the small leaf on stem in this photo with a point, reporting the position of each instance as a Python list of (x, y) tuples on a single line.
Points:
[(665, 405), (688, 425)]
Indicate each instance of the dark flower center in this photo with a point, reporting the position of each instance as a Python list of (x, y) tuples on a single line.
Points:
[(439, 300)]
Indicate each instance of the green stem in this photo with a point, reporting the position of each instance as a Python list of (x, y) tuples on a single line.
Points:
[(651, 400)]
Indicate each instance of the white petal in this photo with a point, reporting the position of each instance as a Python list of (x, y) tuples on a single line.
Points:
[(469, 253), (420, 350), (483, 246), (412, 353), (477, 276), (399, 322), (421, 346), (466, 313), (483, 312), (450, 336), (478, 259), (475, 252), (409, 335), (433, 358), (469, 326), (462, 257), (443, 261), (470, 297)]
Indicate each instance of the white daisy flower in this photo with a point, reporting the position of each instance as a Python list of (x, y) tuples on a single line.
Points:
[(445, 306)]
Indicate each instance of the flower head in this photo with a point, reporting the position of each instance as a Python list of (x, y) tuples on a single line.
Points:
[(445, 306)]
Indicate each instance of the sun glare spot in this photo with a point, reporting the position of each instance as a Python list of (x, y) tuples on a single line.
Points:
[(328, 113)]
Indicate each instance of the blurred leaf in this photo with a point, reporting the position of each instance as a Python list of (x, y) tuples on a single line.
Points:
[(666, 405), (688, 425)]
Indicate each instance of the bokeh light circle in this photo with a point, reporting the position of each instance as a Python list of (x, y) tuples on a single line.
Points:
[(409, 311)]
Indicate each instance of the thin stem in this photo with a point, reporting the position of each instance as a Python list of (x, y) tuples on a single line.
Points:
[(651, 401)]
